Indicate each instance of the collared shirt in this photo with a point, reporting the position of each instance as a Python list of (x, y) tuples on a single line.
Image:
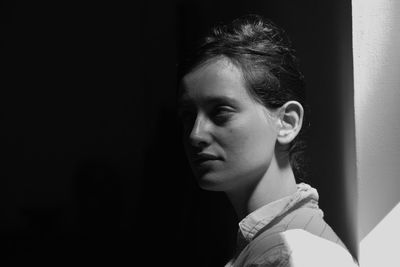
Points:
[(289, 232)]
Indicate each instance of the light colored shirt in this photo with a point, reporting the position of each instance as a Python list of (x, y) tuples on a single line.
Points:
[(290, 232)]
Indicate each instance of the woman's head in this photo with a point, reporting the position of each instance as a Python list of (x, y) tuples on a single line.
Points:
[(251, 60)]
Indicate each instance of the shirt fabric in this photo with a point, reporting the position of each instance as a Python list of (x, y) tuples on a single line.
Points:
[(290, 232)]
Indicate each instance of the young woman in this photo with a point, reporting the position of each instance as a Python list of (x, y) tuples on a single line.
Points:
[(241, 102)]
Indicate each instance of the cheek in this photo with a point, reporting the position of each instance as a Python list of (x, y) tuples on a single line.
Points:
[(251, 140)]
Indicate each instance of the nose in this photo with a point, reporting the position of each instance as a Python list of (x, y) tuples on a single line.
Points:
[(200, 136)]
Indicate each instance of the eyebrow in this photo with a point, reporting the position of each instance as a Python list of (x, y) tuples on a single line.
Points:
[(185, 101)]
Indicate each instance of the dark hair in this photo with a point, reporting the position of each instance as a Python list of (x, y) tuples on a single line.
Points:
[(270, 68)]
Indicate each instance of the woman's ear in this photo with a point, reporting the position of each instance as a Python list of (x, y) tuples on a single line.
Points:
[(290, 121)]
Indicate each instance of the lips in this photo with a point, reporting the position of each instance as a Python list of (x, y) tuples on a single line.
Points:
[(202, 157)]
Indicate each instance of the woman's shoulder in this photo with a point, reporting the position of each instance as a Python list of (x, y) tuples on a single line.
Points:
[(307, 249), (297, 247)]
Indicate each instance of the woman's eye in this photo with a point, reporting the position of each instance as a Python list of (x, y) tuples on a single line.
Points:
[(223, 114)]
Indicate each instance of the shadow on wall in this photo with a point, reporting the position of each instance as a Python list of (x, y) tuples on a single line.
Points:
[(99, 209), (98, 196)]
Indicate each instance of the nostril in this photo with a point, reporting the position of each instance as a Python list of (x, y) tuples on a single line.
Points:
[(199, 144), (199, 139)]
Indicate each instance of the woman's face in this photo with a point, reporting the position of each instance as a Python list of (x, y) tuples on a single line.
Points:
[(229, 138)]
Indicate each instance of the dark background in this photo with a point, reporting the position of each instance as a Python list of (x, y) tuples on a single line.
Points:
[(93, 169)]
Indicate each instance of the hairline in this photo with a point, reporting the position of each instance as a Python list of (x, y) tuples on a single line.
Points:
[(235, 62)]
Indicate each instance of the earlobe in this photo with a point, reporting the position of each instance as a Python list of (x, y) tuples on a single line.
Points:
[(290, 121)]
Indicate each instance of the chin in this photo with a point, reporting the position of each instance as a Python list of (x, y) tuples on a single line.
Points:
[(211, 182), (217, 181), (226, 181)]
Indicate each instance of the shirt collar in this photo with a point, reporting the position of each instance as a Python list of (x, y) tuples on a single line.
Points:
[(252, 223)]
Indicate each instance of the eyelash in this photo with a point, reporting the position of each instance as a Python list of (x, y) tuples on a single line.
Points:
[(220, 114)]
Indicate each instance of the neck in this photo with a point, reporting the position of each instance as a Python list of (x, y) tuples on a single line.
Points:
[(276, 183)]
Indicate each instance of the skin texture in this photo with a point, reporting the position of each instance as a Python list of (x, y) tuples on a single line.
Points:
[(222, 119)]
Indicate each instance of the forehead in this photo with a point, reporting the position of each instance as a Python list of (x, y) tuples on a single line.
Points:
[(217, 79)]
